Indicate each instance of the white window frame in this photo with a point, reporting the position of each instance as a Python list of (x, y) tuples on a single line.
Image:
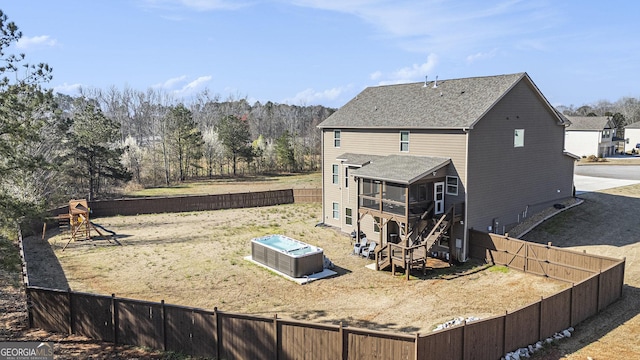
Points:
[(404, 142), (518, 138), (337, 136), (335, 174), (376, 220), (348, 218), (346, 177), (336, 211), (453, 186)]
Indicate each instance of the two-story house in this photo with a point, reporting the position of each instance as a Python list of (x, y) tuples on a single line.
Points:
[(590, 135), (415, 166), (632, 138)]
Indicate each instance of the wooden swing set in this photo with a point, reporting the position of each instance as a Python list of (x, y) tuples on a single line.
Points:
[(77, 225)]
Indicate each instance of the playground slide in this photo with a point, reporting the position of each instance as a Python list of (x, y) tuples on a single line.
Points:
[(103, 228)]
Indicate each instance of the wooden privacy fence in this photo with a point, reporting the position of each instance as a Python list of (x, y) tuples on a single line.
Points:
[(212, 334), (153, 205), (223, 335), (596, 282)]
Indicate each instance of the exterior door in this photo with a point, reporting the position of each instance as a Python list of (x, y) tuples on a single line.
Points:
[(438, 197)]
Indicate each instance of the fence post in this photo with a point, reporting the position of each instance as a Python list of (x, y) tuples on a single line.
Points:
[(598, 302), (70, 319), (343, 354), (29, 306), (416, 347), (573, 286), (504, 332), (624, 262), (163, 313), (218, 340), (526, 259), (275, 336), (540, 318), (114, 318), (464, 338)]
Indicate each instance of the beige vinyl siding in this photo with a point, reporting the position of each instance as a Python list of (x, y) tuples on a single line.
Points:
[(332, 192), (503, 180), (444, 143), (440, 143)]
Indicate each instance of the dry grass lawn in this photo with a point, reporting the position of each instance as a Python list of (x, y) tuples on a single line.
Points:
[(605, 224), (197, 259)]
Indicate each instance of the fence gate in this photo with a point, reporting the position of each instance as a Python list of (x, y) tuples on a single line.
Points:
[(536, 259)]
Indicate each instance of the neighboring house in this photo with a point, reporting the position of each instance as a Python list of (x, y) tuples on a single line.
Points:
[(590, 135), (632, 137), (415, 166)]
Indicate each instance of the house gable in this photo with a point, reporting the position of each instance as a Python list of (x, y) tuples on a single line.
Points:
[(470, 125), (505, 178), (443, 104)]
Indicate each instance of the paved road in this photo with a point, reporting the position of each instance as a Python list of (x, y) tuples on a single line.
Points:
[(589, 178), (626, 172)]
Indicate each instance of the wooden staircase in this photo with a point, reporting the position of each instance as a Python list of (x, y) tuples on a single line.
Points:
[(422, 237)]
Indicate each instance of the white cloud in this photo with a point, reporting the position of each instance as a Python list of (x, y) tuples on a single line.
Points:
[(169, 84), (439, 25), (376, 75), (198, 5), (310, 96), (180, 87), (205, 5), (69, 89), (27, 42), (195, 84), (413, 73), (481, 56), (193, 87)]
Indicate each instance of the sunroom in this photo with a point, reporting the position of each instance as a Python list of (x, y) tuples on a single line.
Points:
[(405, 196)]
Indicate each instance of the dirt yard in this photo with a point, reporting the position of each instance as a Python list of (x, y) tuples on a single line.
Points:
[(197, 259), (606, 223)]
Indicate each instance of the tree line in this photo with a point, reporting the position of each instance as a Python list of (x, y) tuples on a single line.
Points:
[(55, 146), (165, 141)]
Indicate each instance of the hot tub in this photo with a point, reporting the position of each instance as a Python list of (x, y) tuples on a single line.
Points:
[(286, 255)]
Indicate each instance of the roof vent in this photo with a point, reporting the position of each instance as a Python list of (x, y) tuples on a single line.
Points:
[(425, 81), (435, 83)]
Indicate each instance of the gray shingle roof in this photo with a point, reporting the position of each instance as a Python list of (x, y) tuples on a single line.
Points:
[(635, 125), (401, 169), (584, 123), (453, 104), (358, 160)]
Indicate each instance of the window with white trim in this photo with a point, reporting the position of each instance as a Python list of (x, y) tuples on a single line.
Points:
[(336, 138), (336, 211), (346, 177), (335, 171), (452, 185), (348, 216), (518, 138), (404, 141)]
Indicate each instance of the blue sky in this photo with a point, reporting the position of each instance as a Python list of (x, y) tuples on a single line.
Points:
[(307, 52)]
